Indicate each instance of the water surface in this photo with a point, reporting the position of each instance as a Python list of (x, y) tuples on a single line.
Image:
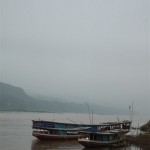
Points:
[(16, 130)]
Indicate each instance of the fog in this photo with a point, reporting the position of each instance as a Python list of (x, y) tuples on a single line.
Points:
[(83, 50)]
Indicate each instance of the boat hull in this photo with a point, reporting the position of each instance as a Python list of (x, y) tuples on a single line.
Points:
[(95, 144), (55, 137)]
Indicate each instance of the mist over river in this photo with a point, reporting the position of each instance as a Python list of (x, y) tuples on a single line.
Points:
[(16, 130)]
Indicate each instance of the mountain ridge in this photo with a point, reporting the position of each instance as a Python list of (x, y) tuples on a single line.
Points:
[(14, 98)]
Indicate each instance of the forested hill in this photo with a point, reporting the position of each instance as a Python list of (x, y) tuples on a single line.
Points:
[(15, 99)]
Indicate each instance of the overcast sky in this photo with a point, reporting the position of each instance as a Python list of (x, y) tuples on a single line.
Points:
[(84, 50)]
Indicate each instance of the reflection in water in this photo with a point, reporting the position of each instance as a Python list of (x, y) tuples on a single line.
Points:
[(73, 145), (145, 146), (53, 145), (118, 148), (102, 148)]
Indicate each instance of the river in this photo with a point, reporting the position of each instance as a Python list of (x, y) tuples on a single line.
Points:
[(16, 130)]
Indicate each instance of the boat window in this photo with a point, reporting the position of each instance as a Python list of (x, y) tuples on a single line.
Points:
[(110, 137), (105, 138)]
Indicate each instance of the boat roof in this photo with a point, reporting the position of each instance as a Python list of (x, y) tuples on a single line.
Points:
[(102, 132), (114, 123), (66, 123), (100, 124), (65, 129)]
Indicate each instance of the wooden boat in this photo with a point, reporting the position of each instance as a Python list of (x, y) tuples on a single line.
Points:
[(50, 130), (42, 124), (58, 133), (111, 134), (109, 138)]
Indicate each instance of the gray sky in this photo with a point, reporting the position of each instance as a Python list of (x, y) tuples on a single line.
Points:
[(91, 51)]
